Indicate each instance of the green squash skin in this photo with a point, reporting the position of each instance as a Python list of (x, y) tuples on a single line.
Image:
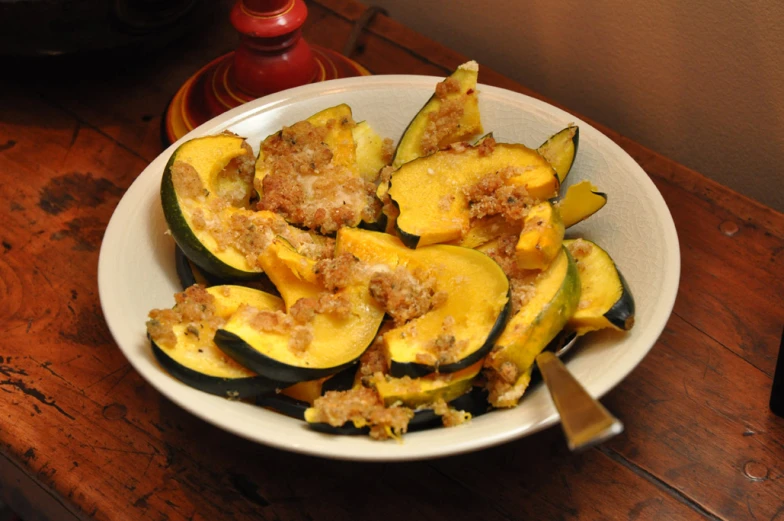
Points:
[(244, 354), (621, 314), (185, 238), (575, 141), (474, 402), (415, 370), (225, 387)]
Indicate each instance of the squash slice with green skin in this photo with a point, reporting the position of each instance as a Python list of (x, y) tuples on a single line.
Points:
[(474, 402), (581, 201), (337, 341), (418, 138), (541, 238), (191, 180), (308, 173), (561, 149), (606, 300), (487, 229), (471, 324), (540, 319), (370, 151), (195, 360), (430, 191), (415, 392)]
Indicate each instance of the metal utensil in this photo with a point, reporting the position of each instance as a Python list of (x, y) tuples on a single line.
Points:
[(584, 420)]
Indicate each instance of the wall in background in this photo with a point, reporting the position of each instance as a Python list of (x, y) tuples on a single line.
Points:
[(700, 81)]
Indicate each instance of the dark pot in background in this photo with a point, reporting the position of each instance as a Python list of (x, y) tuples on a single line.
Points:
[(52, 27)]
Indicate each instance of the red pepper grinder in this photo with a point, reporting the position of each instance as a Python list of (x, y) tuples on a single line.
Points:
[(271, 57), (777, 392)]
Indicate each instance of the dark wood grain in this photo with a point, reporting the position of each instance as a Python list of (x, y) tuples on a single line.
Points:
[(88, 433)]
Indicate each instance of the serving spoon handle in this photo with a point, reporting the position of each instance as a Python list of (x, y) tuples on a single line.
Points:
[(584, 420)]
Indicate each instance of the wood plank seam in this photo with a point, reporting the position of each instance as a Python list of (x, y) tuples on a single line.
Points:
[(369, 28), (669, 489), (83, 122), (67, 506), (707, 334)]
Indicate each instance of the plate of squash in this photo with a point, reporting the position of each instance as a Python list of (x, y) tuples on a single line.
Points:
[(366, 268)]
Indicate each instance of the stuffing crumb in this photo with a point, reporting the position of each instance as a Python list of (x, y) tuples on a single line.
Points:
[(521, 281), (450, 417), (362, 406), (502, 382), (339, 272), (194, 308), (405, 295), (444, 121), (306, 186), (387, 150), (493, 196), (486, 146)]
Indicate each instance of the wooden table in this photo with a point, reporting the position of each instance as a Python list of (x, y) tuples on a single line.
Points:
[(82, 436)]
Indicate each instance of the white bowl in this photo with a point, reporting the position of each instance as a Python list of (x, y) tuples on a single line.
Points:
[(136, 267)]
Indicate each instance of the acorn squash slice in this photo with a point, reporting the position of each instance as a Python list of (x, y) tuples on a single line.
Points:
[(554, 299), (561, 149), (370, 151), (581, 201), (458, 331), (605, 300), (308, 173), (449, 116), (190, 355), (541, 238), (474, 403), (195, 188), (283, 349), (415, 392), (431, 191)]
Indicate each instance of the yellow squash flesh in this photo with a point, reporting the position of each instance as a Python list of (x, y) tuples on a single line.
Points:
[(414, 392), (581, 201), (430, 191), (556, 294), (206, 357), (476, 287), (410, 146), (336, 340), (541, 238), (605, 300)]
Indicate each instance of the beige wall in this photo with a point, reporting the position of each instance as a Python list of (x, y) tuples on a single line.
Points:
[(701, 81)]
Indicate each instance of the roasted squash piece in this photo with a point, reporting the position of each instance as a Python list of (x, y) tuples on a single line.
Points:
[(459, 330), (561, 149), (541, 238), (192, 182), (432, 192), (183, 344), (204, 193), (449, 116), (581, 201), (290, 348), (486, 229), (605, 300), (370, 151), (308, 173), (555, 296), (415, 392)]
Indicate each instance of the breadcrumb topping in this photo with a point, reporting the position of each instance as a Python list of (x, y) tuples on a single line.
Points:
[(363, 407), (405, 295), (521, 281), (491, 195), (450, 417), (195, 307), (306, 186)]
